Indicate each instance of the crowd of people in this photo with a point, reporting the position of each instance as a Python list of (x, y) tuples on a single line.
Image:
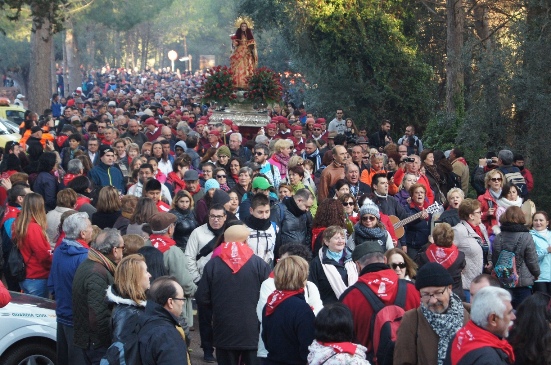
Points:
[(303, 242)]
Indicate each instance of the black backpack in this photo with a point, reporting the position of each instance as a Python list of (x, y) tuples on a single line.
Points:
[(16, 264)]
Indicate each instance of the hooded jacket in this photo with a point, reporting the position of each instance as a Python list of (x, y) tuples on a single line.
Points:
[(67, 258), (104, 175)]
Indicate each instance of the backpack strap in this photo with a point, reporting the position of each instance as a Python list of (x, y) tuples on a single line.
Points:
[(400, 299)]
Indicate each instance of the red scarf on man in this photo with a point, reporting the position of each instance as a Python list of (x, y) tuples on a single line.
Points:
[(341, 347), (235, 254), (471, 337), (445, 256), (161, 242), (279, 296)]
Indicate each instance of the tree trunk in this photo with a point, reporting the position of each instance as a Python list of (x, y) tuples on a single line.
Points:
[(40, 69), (73, 62), (454, 49)]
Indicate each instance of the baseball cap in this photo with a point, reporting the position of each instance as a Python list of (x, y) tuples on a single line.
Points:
[(260, 182)]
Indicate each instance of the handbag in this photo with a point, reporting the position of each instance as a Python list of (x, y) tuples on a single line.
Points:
[(505, 269)]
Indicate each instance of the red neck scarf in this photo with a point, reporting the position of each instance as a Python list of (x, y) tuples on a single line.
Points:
[(161, 242), (235, 254), (471, 337), (279, 296), (478, 231), (445, 256), (341, 347)]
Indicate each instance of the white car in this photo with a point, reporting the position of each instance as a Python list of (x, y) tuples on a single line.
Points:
[(28, 331)]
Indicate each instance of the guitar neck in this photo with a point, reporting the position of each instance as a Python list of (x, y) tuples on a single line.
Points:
[(407, 220)]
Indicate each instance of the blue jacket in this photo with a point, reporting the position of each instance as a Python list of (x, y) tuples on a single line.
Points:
[(543, 241), (103, 175), (288, 331), (67, 257)]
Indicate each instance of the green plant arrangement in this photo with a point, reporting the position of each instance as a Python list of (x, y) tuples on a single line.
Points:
[(264, 86), (218, 87)]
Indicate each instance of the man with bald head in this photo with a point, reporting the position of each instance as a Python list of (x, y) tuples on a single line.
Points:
[(134, 133)]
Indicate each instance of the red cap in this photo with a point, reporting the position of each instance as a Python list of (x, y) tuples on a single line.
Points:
[(320, 121), (215, 132), (271, 126), (317, 125), (310, 121), (296, 128), (71, 102), (235, 128), (178, 112), (201, 122), (150, 121), (227, 122)]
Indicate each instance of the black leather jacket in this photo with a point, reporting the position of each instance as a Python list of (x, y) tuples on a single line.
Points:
[(185, 224)]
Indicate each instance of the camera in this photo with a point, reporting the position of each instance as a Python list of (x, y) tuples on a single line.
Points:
[(409, 159), (489, 162)]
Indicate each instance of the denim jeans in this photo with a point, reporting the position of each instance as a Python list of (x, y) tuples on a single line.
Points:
[(38, 287)]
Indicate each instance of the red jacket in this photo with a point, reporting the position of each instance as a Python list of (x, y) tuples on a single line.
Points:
[(528, 178), (177, 183), (36, 252), (488, 220), (375, 275), (5, 296)]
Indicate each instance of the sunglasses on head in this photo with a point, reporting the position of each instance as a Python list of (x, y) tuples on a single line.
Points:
[(370, 218), (400, 265)]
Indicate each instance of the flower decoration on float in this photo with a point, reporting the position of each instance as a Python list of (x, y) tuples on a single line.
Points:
[(218, 86), (264, 86), (244, 19)]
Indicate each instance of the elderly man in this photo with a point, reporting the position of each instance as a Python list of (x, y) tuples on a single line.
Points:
[(153, 131), (425, 332), (91, 313), (352, 176), (161, 338), (72, 251), (332, 173), (134, 133), (483, 339), (105, 174), (242, 153), (162, 226)]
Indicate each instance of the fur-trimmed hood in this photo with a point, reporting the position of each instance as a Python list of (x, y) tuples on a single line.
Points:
[(114, 297)]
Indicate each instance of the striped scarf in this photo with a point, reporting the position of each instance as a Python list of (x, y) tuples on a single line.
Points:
[(100, 258)]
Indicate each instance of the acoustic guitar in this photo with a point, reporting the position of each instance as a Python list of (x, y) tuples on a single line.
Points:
[(399, 224)]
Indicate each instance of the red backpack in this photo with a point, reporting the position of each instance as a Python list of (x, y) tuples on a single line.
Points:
[(384, 323)]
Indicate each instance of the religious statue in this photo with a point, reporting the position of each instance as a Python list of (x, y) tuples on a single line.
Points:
[(244, 58)]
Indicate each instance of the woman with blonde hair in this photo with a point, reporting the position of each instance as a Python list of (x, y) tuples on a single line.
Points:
[(493, 181), (29, 234), (281, 156), (108, 208), (127, 295), (287, 319)]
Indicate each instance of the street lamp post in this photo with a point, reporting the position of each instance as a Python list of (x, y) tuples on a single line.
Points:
[(172, 56)]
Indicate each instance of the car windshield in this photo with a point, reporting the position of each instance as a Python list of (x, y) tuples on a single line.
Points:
[(15, 116)]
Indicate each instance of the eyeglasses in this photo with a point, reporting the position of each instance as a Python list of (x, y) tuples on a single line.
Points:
[(121, 247), (350, 204), (207, 172), (216, 217), (182, 299), (220, 176), (370, 218), (496, 179), (478, 212), (400, 265), (436, 295), (259, 153)]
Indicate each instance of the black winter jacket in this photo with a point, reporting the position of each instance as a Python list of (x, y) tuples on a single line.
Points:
[(125, 323), (91, 313), (293, 229), (318, 277), (185, 224), (160, 343), (233, 299)]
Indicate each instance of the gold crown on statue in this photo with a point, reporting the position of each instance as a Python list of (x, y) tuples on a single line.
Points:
[(244, 19)]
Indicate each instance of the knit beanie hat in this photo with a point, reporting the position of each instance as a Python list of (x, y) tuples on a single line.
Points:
[(432, 274), (220, 197), (370, 208), (211, 184), (224, 151)]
